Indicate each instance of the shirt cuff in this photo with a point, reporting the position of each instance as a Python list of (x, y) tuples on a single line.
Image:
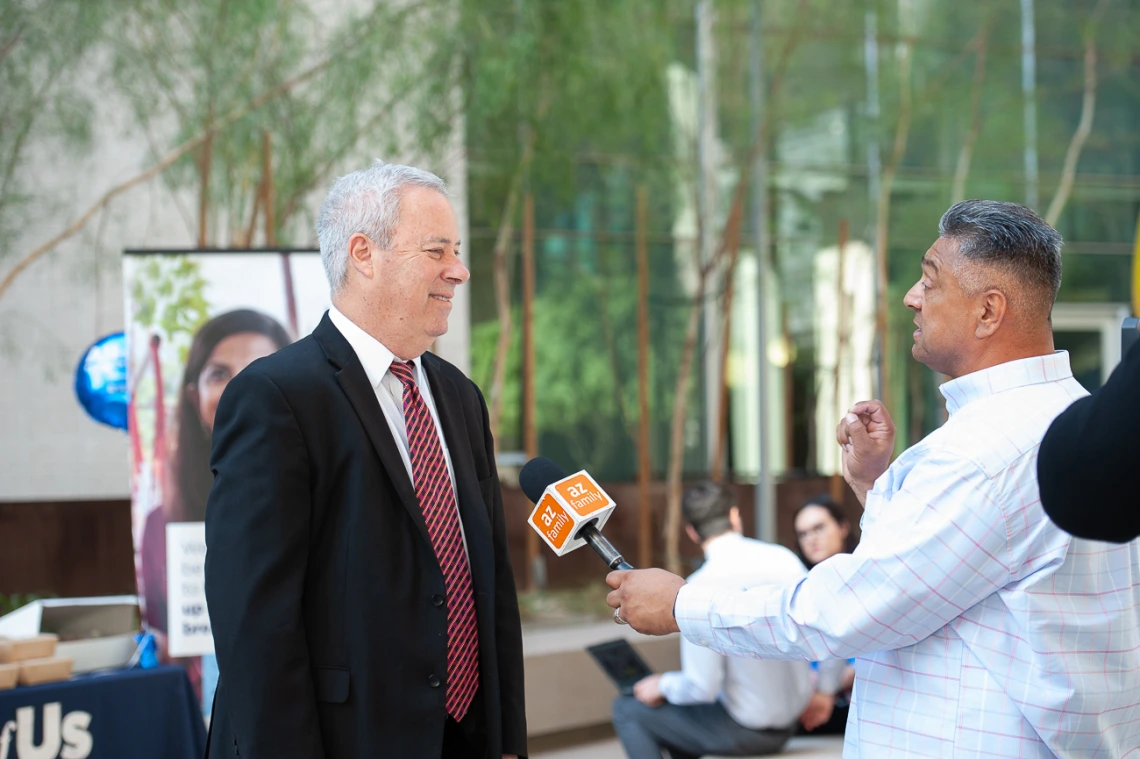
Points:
[(692, 612), (668, 686)]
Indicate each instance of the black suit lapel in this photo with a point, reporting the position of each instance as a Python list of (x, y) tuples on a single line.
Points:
[(360, 393), (472, 510)]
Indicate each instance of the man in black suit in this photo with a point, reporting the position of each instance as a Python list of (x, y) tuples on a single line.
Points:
[(360, 590), (1087, 465)]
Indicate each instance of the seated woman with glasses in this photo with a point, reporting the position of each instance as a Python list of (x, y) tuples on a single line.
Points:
[(822, 530)]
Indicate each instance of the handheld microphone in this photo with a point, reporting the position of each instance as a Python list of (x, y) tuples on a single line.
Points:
[(569, 511)]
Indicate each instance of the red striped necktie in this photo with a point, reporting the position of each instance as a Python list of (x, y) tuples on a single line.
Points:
[(437, 500)]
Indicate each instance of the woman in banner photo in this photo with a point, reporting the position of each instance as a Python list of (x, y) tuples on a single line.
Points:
[(222, 347)]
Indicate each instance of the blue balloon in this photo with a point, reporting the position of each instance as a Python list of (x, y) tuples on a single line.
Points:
[(101, 381)]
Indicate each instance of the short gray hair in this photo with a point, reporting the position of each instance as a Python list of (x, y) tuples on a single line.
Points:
[(706, 506), (1013, 240), (365, 202)]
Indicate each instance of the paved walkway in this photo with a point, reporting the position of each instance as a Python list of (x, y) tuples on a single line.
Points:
[(801, 748)]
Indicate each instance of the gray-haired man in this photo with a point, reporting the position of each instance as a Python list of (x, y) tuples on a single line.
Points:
[(359, 584)]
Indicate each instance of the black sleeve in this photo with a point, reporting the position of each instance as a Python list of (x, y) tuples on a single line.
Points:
[(1089, 464), (508, 627), (257, 534)]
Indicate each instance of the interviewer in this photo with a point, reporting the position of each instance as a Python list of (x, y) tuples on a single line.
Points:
[(979, 627)]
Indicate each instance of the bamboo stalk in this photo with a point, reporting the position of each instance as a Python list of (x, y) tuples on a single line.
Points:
[(962, 168), (269, 194), (158, 456), (530, 404), (205, 160), (882, 221), (500, 265), (720, 444), (840, 339), (841, 303), (1084, 127), (644, 465)]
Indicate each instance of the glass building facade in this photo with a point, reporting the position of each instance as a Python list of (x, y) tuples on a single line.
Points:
[(878, 116)]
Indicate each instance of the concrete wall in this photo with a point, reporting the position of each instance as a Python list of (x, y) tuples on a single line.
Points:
[(565, 688), (50, 450)]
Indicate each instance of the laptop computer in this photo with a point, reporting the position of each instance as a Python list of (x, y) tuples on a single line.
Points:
[(621, 663)]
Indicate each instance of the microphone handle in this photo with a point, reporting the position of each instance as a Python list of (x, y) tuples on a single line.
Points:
[(603, 547)]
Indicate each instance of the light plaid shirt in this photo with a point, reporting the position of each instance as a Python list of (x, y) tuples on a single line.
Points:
[(982, 629)]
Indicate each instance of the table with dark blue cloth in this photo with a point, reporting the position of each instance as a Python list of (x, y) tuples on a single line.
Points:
[(149, 713)]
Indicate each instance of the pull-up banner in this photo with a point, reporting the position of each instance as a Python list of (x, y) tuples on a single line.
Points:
[(195, 318)]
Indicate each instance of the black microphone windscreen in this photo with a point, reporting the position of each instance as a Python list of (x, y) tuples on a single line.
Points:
[(536, 475)]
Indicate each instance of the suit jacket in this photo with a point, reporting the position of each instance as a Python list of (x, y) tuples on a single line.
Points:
[(326, 599), (1087, 466)]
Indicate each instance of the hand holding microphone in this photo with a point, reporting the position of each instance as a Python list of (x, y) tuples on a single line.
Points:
[(645, 598), (570, 512)]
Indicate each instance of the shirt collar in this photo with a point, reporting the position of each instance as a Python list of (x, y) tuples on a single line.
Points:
[(374, 357), (721, 544), (1012, 374)]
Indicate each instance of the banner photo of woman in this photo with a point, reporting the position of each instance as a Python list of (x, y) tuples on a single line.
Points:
[(194, 320)]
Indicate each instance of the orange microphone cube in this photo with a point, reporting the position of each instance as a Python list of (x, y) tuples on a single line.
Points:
[(565, 506)]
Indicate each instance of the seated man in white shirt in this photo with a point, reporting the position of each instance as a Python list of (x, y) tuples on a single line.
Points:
[(980, 628), (717, 705)]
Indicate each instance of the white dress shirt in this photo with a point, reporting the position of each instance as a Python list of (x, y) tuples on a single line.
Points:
[(377, 362), (757, 694), (982, 629)]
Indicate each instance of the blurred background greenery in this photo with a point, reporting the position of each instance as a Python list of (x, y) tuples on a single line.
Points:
[(775, 142)]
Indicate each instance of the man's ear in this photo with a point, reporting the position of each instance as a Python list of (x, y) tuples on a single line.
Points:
[(360, 255), (693, 534), (993, 307)]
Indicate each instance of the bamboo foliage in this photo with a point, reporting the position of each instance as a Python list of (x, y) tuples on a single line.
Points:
[(726, 255), (206, 83), (43, 105), (144, 176), (568, 101), (538, 77)]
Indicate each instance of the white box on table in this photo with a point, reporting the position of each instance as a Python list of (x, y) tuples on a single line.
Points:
[(95, 633)]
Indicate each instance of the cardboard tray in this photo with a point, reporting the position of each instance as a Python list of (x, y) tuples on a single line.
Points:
[(96, 633), (37, 671), (9, 673), (20, 649)]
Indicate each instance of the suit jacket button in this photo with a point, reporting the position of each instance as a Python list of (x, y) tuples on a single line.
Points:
[(433, 681), (437, 600)]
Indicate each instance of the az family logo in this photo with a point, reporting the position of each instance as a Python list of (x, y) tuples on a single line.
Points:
[(63, 737), (581, 494)]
